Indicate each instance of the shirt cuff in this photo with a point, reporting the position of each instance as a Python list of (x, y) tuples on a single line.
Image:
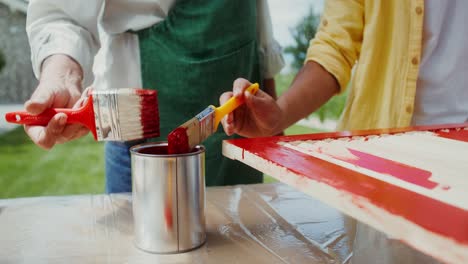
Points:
[(68, 44), (271, 59), (328, 58)]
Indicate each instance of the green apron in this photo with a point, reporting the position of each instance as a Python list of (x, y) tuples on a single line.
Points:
[(191, 58)]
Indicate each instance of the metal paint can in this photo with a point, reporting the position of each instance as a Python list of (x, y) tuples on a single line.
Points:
[(168, 193)]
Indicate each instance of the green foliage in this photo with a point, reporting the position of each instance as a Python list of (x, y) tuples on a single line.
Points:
[(71, 168), (333, 108), (2, 61), (301, 130), (303, 32), (282, 82)]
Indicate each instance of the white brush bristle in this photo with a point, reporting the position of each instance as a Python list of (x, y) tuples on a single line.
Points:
[(126, 114), (129, 107)]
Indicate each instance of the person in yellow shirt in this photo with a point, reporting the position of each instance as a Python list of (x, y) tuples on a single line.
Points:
[(398, 50), (404, 63)]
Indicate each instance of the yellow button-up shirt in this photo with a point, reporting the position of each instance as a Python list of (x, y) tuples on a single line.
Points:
[(383, 38)]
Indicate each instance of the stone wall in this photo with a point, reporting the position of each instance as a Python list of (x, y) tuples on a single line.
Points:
[(17, 81)]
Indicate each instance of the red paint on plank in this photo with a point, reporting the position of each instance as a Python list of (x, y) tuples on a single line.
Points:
[(460, 135), (446, 187), (389, 167), (433, 215), (343, 134)]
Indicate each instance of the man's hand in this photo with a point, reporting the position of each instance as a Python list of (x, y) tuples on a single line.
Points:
[(59, 87), (259, 116)]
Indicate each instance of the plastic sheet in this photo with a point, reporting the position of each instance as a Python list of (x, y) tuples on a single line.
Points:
[(270, 223)]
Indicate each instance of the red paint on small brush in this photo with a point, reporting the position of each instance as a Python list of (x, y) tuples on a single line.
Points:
[(177, 141)]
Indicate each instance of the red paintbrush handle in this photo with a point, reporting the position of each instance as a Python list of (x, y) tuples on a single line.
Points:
[(25, 118), (83, 115)]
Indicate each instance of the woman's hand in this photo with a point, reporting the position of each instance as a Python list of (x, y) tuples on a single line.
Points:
[(260, 115)]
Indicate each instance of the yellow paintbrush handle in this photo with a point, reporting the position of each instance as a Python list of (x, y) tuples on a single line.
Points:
[(230, 105)]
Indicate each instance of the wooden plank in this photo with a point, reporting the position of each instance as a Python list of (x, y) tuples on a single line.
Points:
[(410, 183)]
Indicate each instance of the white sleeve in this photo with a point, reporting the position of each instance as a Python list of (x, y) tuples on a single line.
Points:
[(270, 51), (64, 27)]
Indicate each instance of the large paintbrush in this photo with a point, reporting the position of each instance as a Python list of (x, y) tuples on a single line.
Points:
[(196, 130), (111, 115)]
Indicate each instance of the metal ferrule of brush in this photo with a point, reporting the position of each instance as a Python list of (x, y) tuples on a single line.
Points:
[(206, 119), (106, 114)]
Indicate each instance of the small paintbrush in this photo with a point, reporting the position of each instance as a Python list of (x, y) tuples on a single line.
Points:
[(111, 115), (196, 130)]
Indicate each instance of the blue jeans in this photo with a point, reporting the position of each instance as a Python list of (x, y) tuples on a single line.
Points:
[(118, 166)]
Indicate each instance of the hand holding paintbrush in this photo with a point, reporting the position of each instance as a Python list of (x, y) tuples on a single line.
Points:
[(113, 115), (60, 86), (56, 113), (196, 130)]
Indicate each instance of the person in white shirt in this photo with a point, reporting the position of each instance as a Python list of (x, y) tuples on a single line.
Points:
[(190, 51)]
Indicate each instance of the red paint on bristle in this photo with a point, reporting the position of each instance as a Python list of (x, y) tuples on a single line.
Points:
[(149, 114), (177, 141)]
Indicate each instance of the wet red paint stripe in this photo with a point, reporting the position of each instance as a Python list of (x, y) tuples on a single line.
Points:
[(398, 170), (460, 135), (433, 215), (341, 134)]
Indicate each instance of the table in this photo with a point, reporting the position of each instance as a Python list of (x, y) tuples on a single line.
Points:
[(263, 223), (410, 183)]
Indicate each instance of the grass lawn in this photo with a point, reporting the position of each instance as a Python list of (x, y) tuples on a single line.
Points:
[(72, 168)]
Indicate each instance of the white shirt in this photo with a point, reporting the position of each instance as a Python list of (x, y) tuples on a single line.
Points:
[(83, 29), (442, 87)]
